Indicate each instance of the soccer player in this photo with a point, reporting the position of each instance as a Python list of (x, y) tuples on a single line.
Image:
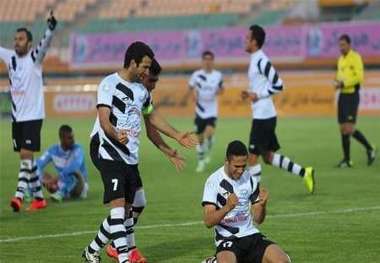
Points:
[(139, 201), (206, 84), (349, 79), (264, 82), (121, 102), (69, 162), (24, 65), (233, 202)]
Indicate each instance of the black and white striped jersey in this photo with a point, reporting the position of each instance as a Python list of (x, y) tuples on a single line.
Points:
[(25, 80), (207, 86), (239, 221), (127, 101), (265, 82)]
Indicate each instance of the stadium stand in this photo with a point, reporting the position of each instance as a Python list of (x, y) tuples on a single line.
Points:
[(93, 16)]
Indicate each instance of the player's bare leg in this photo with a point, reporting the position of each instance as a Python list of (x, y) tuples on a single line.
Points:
[(274, 254), (226, 257)]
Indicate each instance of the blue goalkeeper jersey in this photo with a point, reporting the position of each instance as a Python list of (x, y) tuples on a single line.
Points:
[(66, 163)]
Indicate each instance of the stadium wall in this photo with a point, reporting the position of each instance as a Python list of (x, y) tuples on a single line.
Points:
[(305, 94)]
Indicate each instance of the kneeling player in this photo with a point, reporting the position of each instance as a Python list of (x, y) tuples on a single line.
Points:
[(68, 160), (232, 202)]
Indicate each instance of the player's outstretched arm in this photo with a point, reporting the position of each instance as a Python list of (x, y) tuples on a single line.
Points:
[(5, 54), (39, 52), (186, 139), (259, 207), (156, 138), (213, 216)]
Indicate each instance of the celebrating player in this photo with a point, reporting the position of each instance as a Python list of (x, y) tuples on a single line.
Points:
[(69, 162), (232, 203), (264, 83), (139, 201), (206, 84), (24, 65), (121, 102)]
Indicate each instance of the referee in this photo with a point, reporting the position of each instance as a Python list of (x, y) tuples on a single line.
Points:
[(349, 79)]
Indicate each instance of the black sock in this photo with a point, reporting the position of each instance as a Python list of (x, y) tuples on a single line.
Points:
[(360, 138), (346, 146)]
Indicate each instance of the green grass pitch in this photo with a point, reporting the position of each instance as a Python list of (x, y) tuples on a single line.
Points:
[(339, 223)]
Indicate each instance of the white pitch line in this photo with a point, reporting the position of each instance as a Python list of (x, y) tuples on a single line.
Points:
[(80, 233)]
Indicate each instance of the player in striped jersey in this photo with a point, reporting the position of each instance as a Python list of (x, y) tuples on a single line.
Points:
[(121, 102), (24, 65), (206, 84), (264, 82), (233, 202), (139, 201)]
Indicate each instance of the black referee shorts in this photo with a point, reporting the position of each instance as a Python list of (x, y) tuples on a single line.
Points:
[(348, 105), (263, 138), (27, 135)]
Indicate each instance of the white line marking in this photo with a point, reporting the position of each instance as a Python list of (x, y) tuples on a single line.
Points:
[(80, 233)]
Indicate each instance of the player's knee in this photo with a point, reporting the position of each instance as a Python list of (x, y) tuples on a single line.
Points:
[(284, 259), (268, 157)]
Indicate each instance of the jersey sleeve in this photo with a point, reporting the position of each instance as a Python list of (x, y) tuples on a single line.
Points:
[(221, 82), (5, 55), (193, 81), (209, 193), (266, 68), (105, 94), (40, 51), (148, 105), (41, 162), (254, 197)]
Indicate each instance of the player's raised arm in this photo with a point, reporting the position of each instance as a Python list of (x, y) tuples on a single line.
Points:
[(39, 52), (259, 205), (5, 54)]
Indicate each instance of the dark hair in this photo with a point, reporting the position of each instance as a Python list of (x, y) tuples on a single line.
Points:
[(236, 148), (346, 38), (136, 51), (258, 33), (65, 129), (155, 68), (29, 35), (208, 53)]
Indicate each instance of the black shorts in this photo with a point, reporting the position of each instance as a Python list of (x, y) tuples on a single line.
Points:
[(94, 150), (348, 105), (201, 124), (249, 249), (94, 154), (120, 180), (263, 137), (27, 135)]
